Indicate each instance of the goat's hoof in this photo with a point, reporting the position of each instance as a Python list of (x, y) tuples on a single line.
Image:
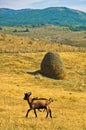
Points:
[(26, 116)]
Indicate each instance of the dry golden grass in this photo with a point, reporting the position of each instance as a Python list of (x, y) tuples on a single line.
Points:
[(10, 43), (17, 75)]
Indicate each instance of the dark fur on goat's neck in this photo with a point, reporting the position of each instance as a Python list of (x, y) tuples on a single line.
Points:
[(29, 101)]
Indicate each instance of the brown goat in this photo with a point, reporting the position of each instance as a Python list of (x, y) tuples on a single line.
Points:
[(38, 103)]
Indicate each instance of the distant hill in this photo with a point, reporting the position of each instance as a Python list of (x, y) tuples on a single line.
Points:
[(50, 33), (53, 15)]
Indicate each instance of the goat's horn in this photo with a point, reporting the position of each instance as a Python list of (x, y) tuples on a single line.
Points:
[(29, 93)]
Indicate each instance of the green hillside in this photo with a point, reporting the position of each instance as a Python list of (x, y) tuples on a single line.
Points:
[(53, 15)]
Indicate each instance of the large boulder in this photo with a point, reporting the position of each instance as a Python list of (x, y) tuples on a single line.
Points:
[(52, 66)]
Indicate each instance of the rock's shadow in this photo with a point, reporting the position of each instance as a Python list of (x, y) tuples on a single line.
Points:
[(34, 72), (38, 72)]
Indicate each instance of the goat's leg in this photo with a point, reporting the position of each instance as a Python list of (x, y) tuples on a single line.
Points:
[(28, 112), (35, 113), (47, 112), (50, 113)]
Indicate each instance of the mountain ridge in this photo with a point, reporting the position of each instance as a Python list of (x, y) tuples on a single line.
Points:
[(52, 15)]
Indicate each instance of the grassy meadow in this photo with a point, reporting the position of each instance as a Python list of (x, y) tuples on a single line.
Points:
[(20, 59), (17, 76)]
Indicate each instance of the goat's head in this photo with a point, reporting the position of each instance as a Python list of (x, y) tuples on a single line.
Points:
[(26, 95)]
